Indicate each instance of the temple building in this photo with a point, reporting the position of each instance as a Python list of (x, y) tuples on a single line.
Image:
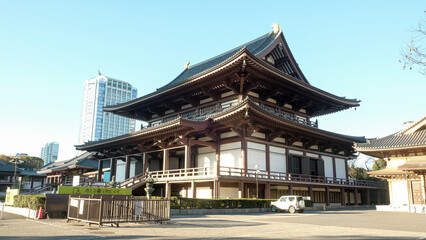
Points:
[(238, 125), (405, 155)]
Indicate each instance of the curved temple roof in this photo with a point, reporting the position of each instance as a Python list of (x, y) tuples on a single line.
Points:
[(202, 123)]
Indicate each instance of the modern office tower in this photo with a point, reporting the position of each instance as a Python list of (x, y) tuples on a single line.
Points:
[(49, 153), (99, 92)]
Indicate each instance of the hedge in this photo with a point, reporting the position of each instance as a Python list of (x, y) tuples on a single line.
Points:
[(35, 201), (193, 203)]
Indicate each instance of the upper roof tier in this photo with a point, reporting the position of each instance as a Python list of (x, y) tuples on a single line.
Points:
[(273, 69)]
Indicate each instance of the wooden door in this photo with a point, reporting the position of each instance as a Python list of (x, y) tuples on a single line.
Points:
[(417, 192)]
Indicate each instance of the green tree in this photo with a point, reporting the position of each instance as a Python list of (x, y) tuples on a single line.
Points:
[(358, 173), (28, 162), (379, 164)]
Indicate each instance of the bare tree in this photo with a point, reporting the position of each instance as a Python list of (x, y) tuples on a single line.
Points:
[(414, 55)]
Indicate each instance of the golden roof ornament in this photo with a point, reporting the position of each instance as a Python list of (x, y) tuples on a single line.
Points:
[(276, 27), (187, 65)]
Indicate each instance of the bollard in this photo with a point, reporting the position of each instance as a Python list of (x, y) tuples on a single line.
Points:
[(2, 210), (323, 207)]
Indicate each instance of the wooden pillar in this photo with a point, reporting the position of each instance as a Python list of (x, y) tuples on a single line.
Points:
[(127, 173), (100, 167), (346, 170), (367, 197), (32, 182), (342, 197), (287, 161), (193, 189), (290, 189), (334, 169), (218, 155), (268, 190), (244, 150), (267, 157), (311, 192), (145, 162), (327, 196), (165, 159), (188, 154), (240, 189), (113, 163), (42, 182), (217, 189), (356, 196), (168, 190)]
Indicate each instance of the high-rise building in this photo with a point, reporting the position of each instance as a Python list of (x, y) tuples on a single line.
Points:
[(99, 92), (49, 153)]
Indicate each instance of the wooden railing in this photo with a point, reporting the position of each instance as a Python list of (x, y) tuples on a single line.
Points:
[(201, 172), (292, 177)]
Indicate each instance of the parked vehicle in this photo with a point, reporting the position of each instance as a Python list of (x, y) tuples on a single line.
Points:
[(290, 203)]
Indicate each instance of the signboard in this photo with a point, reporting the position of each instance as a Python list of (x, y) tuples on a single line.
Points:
[(10, 194), (94, 191), (107, 176), (75, 181)]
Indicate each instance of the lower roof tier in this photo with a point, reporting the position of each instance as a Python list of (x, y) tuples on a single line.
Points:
[(245, 119)]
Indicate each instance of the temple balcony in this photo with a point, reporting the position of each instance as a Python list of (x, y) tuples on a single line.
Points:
[(231, 173)]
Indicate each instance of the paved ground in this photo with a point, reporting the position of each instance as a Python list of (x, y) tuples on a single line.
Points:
[(337, 224)]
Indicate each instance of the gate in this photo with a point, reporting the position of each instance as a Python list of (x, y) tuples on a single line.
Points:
[(113, 210)]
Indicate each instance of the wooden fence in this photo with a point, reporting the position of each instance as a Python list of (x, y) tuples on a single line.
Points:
[(115, 210)]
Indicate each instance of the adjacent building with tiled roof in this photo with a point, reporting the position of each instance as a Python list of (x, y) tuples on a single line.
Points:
[(405, 154)]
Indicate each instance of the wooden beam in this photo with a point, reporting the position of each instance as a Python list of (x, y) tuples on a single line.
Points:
[(202, 143)]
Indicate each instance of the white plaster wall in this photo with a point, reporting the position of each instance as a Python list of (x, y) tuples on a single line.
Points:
[(203, 192), (312, 155), (256, 156), (295, 152), (120, 171), (277, 159), (228, 192), (396, 162), (399, 193), (206, 159), (230, 155), (340, 168), (132, 168), (328, 166)]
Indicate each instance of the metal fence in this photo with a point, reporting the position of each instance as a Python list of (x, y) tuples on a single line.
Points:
[(115, 210)]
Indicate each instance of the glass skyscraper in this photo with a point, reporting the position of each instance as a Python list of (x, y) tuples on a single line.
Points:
[(99, 92), (49, 153)]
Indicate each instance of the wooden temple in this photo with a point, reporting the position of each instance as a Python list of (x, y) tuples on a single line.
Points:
[(405, 155), (238, 125)]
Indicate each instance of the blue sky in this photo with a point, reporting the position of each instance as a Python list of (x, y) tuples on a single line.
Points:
[(49, 48)]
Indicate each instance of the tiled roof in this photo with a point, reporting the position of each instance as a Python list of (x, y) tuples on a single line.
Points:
[(255, 47), (397, 140), (84, 160), (5, 167)]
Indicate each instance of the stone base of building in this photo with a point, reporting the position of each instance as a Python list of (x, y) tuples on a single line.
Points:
[(416, 208)]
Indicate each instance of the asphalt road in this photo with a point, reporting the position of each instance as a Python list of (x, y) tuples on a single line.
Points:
[(336, 224)]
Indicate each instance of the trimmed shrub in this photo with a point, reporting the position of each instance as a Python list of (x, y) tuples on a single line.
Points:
[(309, 203), (35, 201), (194, 203)]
